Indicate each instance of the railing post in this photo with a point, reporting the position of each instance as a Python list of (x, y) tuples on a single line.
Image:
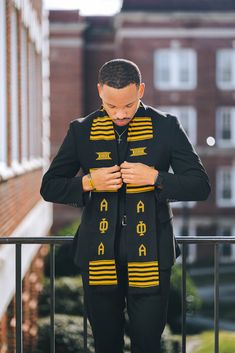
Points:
[(183, 298), (52, 295), (18, 265), (216, 298)]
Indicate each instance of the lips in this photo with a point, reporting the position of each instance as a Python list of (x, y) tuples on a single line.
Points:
[(122, 122)]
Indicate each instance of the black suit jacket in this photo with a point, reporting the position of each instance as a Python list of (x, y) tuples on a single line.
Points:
[(189, 182)]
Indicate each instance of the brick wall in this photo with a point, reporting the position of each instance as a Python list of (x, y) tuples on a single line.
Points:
[(18, 196)]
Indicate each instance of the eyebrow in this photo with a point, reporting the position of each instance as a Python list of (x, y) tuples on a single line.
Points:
[(110, 104)]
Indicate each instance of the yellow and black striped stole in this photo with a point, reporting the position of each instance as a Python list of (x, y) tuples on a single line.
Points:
[(135, 188), (102, 272), (140, 128), (102, 129), (143, 274)]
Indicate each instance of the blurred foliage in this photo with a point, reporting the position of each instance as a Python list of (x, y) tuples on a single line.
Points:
[(68, 335), (68, 296), (193, 301), (204, 343), (64, 254)]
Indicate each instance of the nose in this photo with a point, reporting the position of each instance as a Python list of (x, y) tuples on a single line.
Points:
[(121, 114)]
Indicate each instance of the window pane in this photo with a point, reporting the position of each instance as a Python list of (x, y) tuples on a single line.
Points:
[(226, 68), (184, 66), (226, 125), (163, 66), (227, 185)]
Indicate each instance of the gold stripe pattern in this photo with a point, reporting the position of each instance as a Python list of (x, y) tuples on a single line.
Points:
[(140, 128), (143, 274), (135, 189), (102, 272), (102, 129)]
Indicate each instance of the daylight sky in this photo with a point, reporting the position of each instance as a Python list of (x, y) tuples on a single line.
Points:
[(86, 7)]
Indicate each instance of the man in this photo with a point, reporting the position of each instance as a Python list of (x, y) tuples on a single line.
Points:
[(125, 245)]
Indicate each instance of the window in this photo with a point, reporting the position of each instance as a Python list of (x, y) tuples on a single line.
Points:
[(225, 126), (226, 187), (225, 68), (3, 96), (175, 69), (33, 111), (188, 118), (14, 91), (24, 95)]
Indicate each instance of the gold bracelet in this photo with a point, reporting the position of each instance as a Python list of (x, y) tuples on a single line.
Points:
[(91, 181)]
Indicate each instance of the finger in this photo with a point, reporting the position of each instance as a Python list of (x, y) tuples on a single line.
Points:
[(116, 185), (125, 172), (116, 175), (114, 168), (115, 181), (126, 165)]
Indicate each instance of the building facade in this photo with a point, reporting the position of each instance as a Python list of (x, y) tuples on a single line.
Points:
[(24, 155), (186, 53)]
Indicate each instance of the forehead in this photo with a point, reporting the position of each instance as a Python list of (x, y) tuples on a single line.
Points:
[(119, 96)]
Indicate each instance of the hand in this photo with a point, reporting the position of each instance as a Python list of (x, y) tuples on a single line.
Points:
[(138, 173), (108, 178)]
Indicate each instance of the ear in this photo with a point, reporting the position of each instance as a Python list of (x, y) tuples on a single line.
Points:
[(99, 88), (141, 90)]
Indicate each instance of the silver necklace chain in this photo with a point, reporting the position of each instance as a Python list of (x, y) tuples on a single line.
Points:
[(119, 135)]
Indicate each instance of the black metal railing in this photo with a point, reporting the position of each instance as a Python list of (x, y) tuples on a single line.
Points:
[(55, 240)]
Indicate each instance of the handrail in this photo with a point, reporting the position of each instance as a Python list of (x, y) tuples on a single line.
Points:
[(55, 240)]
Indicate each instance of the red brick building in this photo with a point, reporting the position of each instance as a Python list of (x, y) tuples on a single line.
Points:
[(186, 52), (24, 154)]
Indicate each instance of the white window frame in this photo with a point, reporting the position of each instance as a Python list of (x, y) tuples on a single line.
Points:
[(219, 183), (3, 93), (219, 140), (192, 116), (220, 65), (175, 60)]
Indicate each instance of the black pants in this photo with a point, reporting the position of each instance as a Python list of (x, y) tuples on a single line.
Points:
[(147, 315)]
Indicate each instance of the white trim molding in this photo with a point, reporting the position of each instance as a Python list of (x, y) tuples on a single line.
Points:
[(67, 42), (175, 32), (163, 17)]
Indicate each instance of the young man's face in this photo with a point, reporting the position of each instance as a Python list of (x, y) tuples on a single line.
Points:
[(121, 103)]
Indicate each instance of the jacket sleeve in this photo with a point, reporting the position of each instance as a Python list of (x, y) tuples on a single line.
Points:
[(60, 183), (189, 181)]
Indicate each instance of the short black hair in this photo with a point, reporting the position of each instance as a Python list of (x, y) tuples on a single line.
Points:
[(119, 73)]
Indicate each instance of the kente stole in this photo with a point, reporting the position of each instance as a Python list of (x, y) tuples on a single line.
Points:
[(141, 228)]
